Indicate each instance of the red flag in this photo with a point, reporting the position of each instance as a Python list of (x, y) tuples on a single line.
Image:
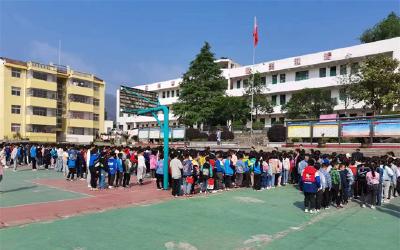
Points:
[(255, 32)]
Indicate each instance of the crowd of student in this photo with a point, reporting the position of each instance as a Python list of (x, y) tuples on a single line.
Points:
[(325, 179)]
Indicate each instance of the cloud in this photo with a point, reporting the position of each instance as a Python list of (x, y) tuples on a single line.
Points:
[(45, 53)]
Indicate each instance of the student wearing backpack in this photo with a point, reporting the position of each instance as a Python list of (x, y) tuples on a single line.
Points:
[(176, 167), (205, 174), (187, 175), (71, 163), (387, 182), (228, 170), (127, 165), (362, 186), (93, 159), (112, 170), (160, 172), (219, 172), (372, 178), (239, 170), (310, 183), (257, 174)]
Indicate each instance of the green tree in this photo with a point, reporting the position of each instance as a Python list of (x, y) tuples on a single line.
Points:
[(377, 84), (201, 88), (309, 103), (231, 108), (261, 102), (385, 29)]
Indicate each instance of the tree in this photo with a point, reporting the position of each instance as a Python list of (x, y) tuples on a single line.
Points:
[(377, 83), (231, 108), (201, 88), (260, 101), (309, 103), (385, 29), (345, 82)]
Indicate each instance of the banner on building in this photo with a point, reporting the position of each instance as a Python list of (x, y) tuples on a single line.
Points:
[(325, 129), (299, 130), (387, 128), (356, 129)]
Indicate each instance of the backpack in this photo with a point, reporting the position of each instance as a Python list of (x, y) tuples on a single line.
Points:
[(72, 155), (205, 171)]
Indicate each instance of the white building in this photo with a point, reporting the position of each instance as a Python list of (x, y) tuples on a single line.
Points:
[(282, 77)]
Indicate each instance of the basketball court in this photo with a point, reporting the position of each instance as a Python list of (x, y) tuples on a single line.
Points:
[(40, 210)]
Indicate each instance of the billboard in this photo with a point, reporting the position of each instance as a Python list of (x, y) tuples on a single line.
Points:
[(132, 100), (387, 128), (299, 130), (356, 129), (157, 133), (325, 129)]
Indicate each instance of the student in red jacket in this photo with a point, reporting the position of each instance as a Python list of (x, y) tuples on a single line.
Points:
[(310, 182)]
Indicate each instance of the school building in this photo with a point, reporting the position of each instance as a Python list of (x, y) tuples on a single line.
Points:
[(282, 78), (49, 103)]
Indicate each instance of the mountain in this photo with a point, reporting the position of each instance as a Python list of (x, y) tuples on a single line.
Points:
[(110, 106)]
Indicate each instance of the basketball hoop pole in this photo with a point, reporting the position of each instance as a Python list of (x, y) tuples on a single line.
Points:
[(165, 128), (153, 110)]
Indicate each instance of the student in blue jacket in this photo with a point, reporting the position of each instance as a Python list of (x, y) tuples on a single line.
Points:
[(112, 169), (228, 170), (94, 158), (257, 174), (120, 170), (32, 156)]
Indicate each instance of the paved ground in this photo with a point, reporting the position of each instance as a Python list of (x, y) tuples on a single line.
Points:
[(239, 219)]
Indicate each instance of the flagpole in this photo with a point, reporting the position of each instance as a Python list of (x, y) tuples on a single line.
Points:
[(255, 40)]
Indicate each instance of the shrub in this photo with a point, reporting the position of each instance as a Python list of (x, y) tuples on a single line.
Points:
[(227, 135), (277, 133), (195, 134), (212, 137), (258, 125)]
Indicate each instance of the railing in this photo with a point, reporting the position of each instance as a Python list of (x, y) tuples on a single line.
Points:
[(82, 74), (41, 66)]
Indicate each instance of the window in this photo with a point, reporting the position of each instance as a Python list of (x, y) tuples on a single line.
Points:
[(342, 95), (163, 94), (96, 117), (274, 79), (96, 87), (39, 111), (273, 120), (281, 120), (177, 93), (231, 85), (16, 109), (332, 71), (245, 83), (96, 102), (282, 99), (264, 80), (168, 94), (41, 93), (322, 72), (15, 127), (39, 75), (172, 93), (354, 68), (282, 78), (301, 75), (273, 100), (16, 91), (343, 69), (238, 84), (16, 72)]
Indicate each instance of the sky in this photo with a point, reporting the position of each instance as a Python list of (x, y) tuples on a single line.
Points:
[(138, 42)]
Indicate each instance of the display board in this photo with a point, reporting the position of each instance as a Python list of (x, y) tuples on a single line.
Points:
[(325, 129), (356, 129), (299, 130), (156, 133), (387, 128), (132, 100)]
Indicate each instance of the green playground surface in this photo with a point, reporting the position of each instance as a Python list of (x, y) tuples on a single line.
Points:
[(239, 219), (19, 188)]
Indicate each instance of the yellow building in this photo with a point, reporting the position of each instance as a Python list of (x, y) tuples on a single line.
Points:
[(49, 103)]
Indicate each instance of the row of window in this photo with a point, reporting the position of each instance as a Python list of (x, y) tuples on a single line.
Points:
[(170, 93), (40, 93), (301, 75), (84, 99)]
